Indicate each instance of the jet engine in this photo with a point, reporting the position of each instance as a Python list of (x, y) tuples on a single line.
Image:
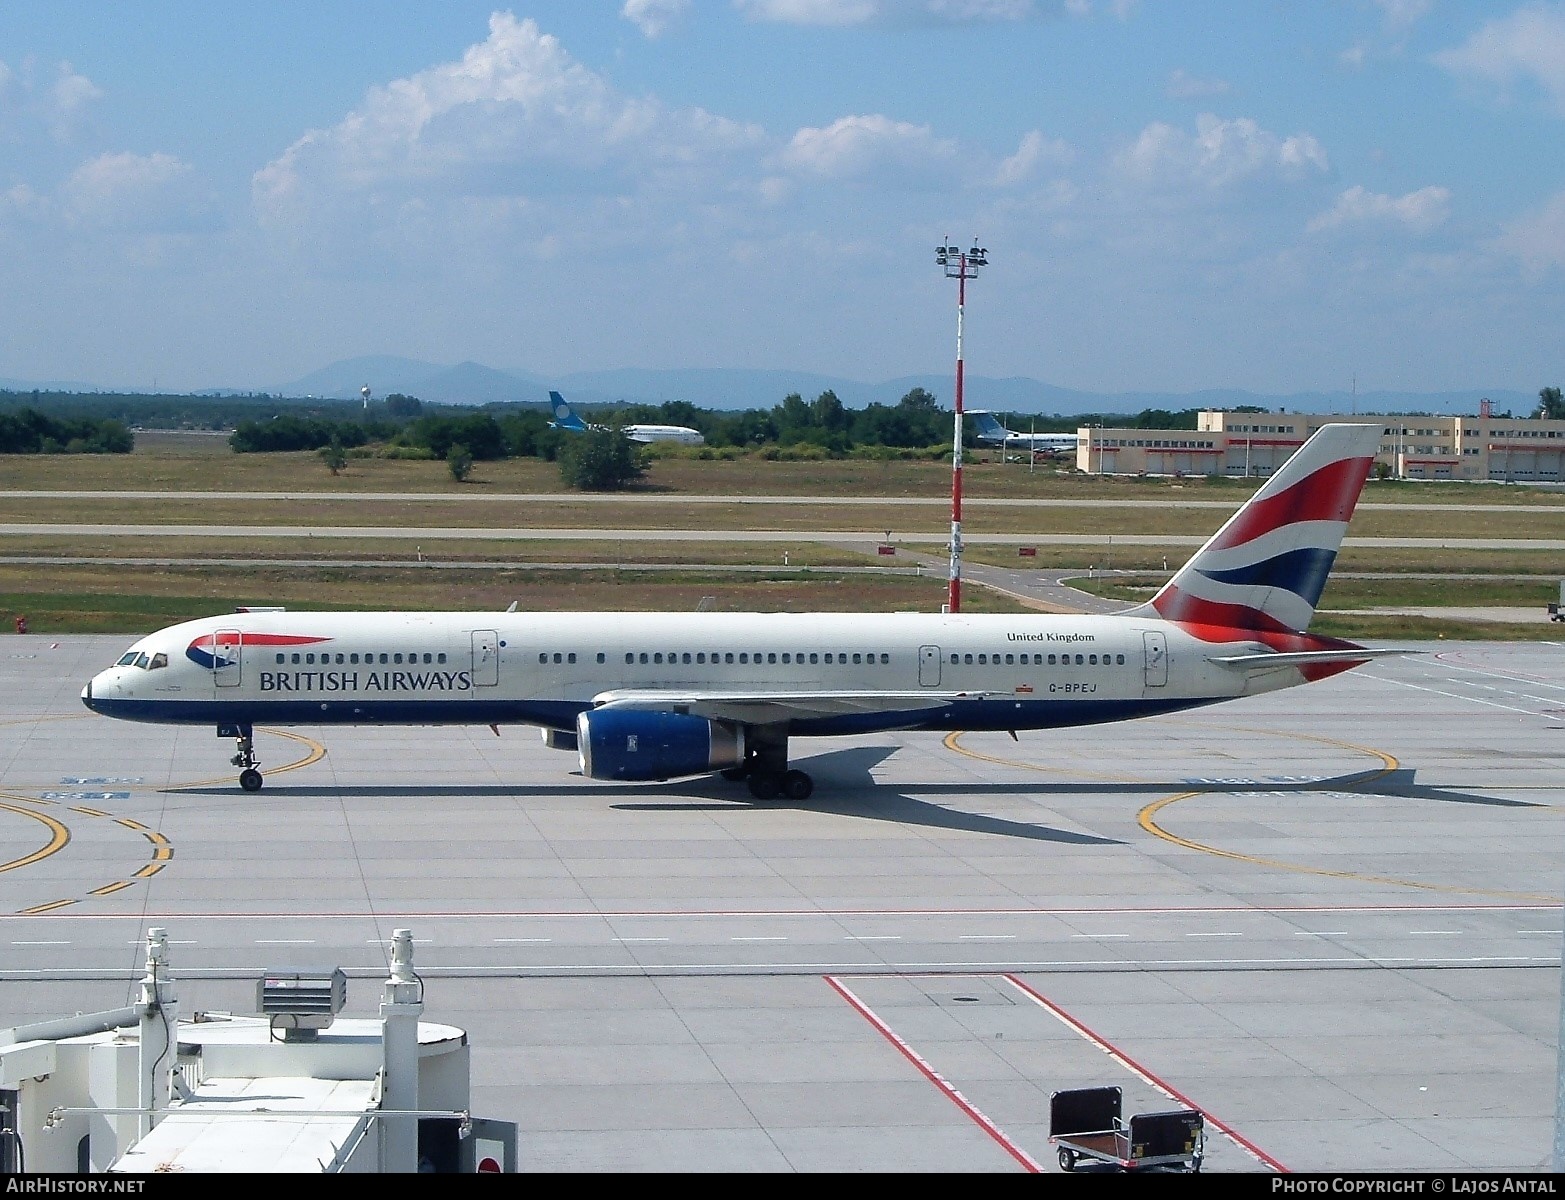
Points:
[(631, 745)]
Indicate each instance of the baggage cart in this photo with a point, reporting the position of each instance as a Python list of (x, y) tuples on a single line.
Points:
[(1086, 1123)]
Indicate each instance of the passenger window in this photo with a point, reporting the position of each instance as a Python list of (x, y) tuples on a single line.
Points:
[(543, 657), (341, 658), (814, 658), (630, 657), (397, 657), (571, 657), (855, 658), (968, 659), (439, 658), (771, 658), (685, 657), (955, 658), (787, 657), (428, 658), (743, 657), (885, 660), (658, 657), (558, 657), (1093, 659), (701, 657), (383, 657), (1051, 660), (1009, 659), (1119, 659), (983, 660), (643, 658), (296, 658), (728, 657), (354, 659), (1078, 660), (602, 657), (280, 659)]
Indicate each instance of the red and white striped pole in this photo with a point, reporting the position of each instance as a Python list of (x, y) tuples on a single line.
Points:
[(960, 265)]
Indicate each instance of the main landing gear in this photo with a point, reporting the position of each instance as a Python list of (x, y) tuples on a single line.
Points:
[(244, 757), (766, 769)]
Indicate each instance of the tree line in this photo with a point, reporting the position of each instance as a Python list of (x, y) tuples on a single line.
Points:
[(29, 431), (402, 425)]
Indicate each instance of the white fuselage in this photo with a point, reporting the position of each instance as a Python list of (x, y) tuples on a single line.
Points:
[(991, 672)]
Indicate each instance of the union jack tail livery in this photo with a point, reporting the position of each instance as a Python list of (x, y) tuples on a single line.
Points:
[(1263, 571)]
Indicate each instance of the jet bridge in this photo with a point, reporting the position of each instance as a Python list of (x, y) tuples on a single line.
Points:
[(294, 1088)]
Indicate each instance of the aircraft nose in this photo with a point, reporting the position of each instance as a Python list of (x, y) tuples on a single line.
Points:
[(87, 694)]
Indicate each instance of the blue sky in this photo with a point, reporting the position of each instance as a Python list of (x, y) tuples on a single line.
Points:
[(1278, 195)]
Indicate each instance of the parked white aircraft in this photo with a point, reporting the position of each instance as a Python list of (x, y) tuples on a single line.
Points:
[(989, 432), (652, 696), (565, 418)]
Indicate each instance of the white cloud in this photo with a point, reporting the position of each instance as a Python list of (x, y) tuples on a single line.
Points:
[(516, 115), (653, 17), (1401, 15), (1219, 153), (126, 191), (811, 12), (58, 107), (1419, 211), (1184, 86), (862, 146), (69, 98), (1034, 151), (1527, 46), (1537, 239), (843, 13), (22, 201)]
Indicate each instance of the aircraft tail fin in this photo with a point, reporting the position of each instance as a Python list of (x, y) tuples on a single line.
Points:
[(1264, 570), (564, 418), (988, 426)]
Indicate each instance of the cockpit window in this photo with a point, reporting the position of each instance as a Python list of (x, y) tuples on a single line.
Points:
[(141, 660), (158, 660), (126, 659)]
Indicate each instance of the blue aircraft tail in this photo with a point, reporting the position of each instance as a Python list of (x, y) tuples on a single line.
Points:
[(989, 426), (564, 418)]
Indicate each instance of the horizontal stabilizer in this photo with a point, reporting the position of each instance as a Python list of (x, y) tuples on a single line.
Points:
[(1271, 661)]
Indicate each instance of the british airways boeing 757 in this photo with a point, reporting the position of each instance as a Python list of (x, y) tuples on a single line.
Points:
[(653, 696)]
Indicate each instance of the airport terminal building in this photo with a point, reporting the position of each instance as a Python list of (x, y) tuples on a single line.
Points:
[(1245, 444)]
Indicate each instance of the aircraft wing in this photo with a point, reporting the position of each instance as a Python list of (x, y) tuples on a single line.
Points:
[(1271, 661), (768, 708)]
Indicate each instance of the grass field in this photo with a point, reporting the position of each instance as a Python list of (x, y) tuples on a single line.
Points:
[(518, 498)]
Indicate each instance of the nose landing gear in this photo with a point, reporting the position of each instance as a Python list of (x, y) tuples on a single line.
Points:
[(244, 757)]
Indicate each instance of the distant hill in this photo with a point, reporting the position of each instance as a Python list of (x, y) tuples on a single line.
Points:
[(733, 389)]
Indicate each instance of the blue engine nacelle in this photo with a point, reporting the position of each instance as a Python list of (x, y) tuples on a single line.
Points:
[(623, 744)]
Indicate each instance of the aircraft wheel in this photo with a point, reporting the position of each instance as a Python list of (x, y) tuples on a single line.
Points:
[(796, 785), (250, 779), (765, 785)]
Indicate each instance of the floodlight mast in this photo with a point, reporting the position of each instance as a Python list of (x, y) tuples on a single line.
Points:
[(960, 265)]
